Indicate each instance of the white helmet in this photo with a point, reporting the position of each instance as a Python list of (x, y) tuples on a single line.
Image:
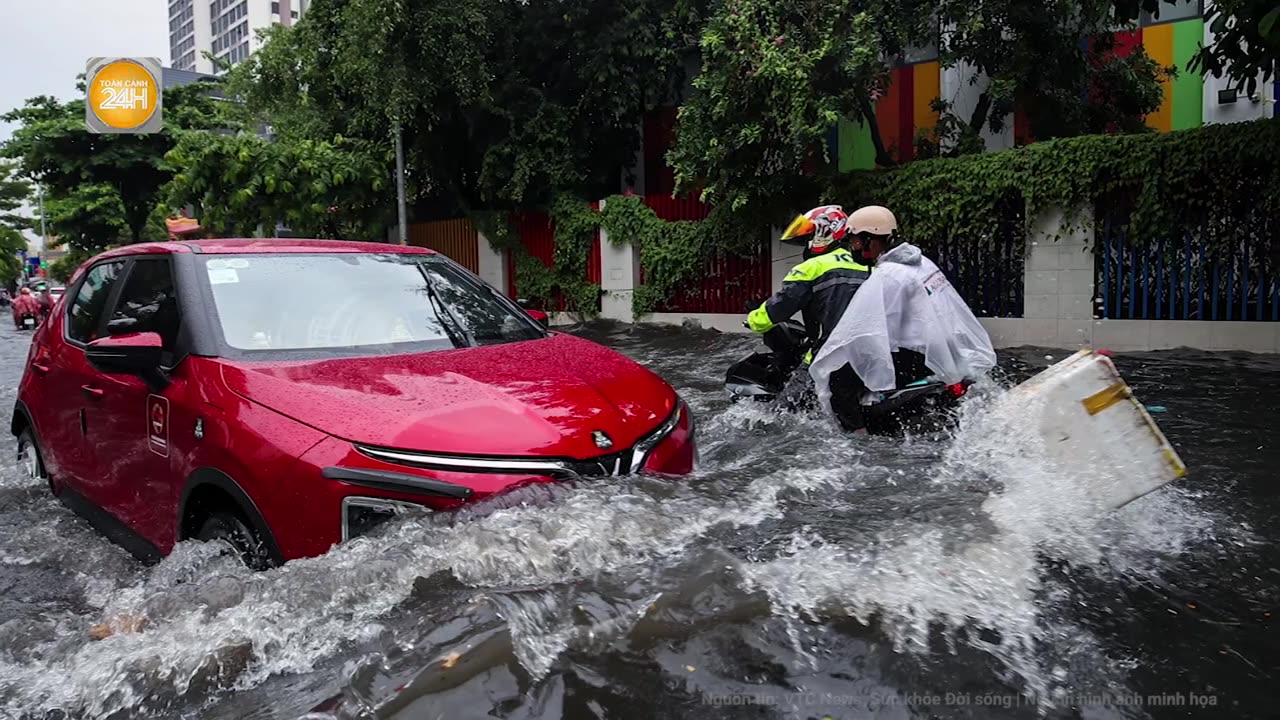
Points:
[(873, 220)]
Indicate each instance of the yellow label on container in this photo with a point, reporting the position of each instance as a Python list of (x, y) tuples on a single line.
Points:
[(1104, 399)]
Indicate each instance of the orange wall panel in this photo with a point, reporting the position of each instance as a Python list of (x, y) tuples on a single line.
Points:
[(455, 239)]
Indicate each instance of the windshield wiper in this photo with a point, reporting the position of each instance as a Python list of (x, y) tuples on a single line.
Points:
[(458, 334)]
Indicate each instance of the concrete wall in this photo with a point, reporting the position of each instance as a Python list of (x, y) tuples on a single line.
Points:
[(1058, 282), (492, 263), (1059, 298), (619, 276), (959, 89), (1058, 305)]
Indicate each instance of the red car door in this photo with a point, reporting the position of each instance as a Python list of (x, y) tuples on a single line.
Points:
[(66, 414), (135, 447)]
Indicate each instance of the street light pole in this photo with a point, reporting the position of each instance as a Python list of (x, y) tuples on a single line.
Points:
[(44, 234), (402, 210)]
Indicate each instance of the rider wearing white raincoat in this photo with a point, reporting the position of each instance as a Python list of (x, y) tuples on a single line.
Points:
[(907, 306)]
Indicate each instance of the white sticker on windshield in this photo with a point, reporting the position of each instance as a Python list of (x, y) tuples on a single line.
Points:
[(223, 276), (217, 265), (237, 263)]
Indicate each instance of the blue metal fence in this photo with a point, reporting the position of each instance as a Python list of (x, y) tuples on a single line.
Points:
[(988, 273), (1180, 278)]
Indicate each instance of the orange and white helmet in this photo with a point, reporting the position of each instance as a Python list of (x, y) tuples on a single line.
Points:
[(818, 229)]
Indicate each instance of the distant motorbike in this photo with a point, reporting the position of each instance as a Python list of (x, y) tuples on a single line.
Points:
[(920, 405), (27, 321)]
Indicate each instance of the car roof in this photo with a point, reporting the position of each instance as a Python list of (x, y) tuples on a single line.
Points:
[(264, 246)]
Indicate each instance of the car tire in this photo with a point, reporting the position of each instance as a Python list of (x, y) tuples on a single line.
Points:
[(232, 529), (31, 460)]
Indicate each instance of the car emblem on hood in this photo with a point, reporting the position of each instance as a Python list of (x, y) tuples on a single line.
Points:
[(603, 441)]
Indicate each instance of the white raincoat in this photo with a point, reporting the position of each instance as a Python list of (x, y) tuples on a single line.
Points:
[(906, 304)]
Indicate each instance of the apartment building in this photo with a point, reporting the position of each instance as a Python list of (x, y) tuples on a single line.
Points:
[(225, 30)]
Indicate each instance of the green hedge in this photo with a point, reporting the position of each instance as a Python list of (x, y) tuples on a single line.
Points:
[(1219, 174)]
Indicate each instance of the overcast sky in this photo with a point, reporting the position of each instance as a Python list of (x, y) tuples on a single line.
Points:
[(44, 44)]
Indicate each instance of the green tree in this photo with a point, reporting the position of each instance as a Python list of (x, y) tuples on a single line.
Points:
[(60, 270), (11, 243), (1246, 43), (88, 219), (15, 192), (1054, 61), (501, 103), (54, 146), (241, 182), (777, 75)]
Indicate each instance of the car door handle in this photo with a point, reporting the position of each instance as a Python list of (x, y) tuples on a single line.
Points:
[(42, 369), (91, 390)]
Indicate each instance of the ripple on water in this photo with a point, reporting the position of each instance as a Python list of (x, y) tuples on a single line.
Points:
[(795, 559)]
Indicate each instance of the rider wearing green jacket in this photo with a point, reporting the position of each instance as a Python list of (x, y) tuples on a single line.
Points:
[(821, 286)]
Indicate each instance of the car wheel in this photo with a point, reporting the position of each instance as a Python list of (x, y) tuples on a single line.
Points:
[(32, 461), (232, 529)]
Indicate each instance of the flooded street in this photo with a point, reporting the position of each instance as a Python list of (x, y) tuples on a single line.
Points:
[(798, 574)]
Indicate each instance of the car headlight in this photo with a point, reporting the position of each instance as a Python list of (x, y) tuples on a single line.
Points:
[(646, 444)]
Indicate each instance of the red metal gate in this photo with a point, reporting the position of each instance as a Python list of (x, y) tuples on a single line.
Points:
[(537, 232), (727, 282)]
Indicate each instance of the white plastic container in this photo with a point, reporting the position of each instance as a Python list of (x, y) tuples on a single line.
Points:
[(1093, 425)]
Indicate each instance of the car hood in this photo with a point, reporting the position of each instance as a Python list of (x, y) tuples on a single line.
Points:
[(538, 397)]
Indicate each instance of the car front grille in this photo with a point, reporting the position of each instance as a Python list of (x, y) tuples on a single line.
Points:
[(619, 463), (622, 462)]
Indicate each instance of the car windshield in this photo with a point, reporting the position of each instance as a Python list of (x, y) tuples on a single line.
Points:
[(347, 301)]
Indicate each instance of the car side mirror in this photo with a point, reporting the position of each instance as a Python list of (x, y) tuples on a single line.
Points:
[(129, 354), (538, 315)]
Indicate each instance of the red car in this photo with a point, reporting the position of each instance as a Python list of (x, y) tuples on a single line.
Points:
[(284, 395)]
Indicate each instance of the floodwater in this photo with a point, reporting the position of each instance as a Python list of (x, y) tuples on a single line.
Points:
[(798, 574)]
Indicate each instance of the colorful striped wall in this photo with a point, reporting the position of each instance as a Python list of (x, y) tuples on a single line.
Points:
[(903, 110), (1173, 43)]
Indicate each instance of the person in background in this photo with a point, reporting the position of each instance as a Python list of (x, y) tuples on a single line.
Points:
[(46, 302), (820, 287), (905, 324), (24, 304)]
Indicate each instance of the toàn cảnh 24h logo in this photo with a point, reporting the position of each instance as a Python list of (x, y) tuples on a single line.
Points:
[(123, 95)]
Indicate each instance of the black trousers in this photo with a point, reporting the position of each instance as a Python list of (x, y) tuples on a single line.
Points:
[(847, 390)]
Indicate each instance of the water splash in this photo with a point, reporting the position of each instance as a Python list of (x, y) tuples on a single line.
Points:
[(797, 527)]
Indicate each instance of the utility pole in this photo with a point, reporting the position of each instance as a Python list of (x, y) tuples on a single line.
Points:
[(44, 234), (403, 211)]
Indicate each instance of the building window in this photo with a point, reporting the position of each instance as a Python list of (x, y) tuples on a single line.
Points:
[(275, 8), (294, 14)]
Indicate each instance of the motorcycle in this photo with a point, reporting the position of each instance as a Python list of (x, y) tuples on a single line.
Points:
[(919, 405), (26, 321)]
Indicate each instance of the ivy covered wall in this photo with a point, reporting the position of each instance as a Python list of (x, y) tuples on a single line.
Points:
[(1219, 174)]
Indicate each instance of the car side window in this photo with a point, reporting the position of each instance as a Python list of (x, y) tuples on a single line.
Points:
[(147, 303), (91, 300)]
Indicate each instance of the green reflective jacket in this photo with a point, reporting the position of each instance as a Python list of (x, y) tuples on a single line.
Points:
[(820, 288)]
